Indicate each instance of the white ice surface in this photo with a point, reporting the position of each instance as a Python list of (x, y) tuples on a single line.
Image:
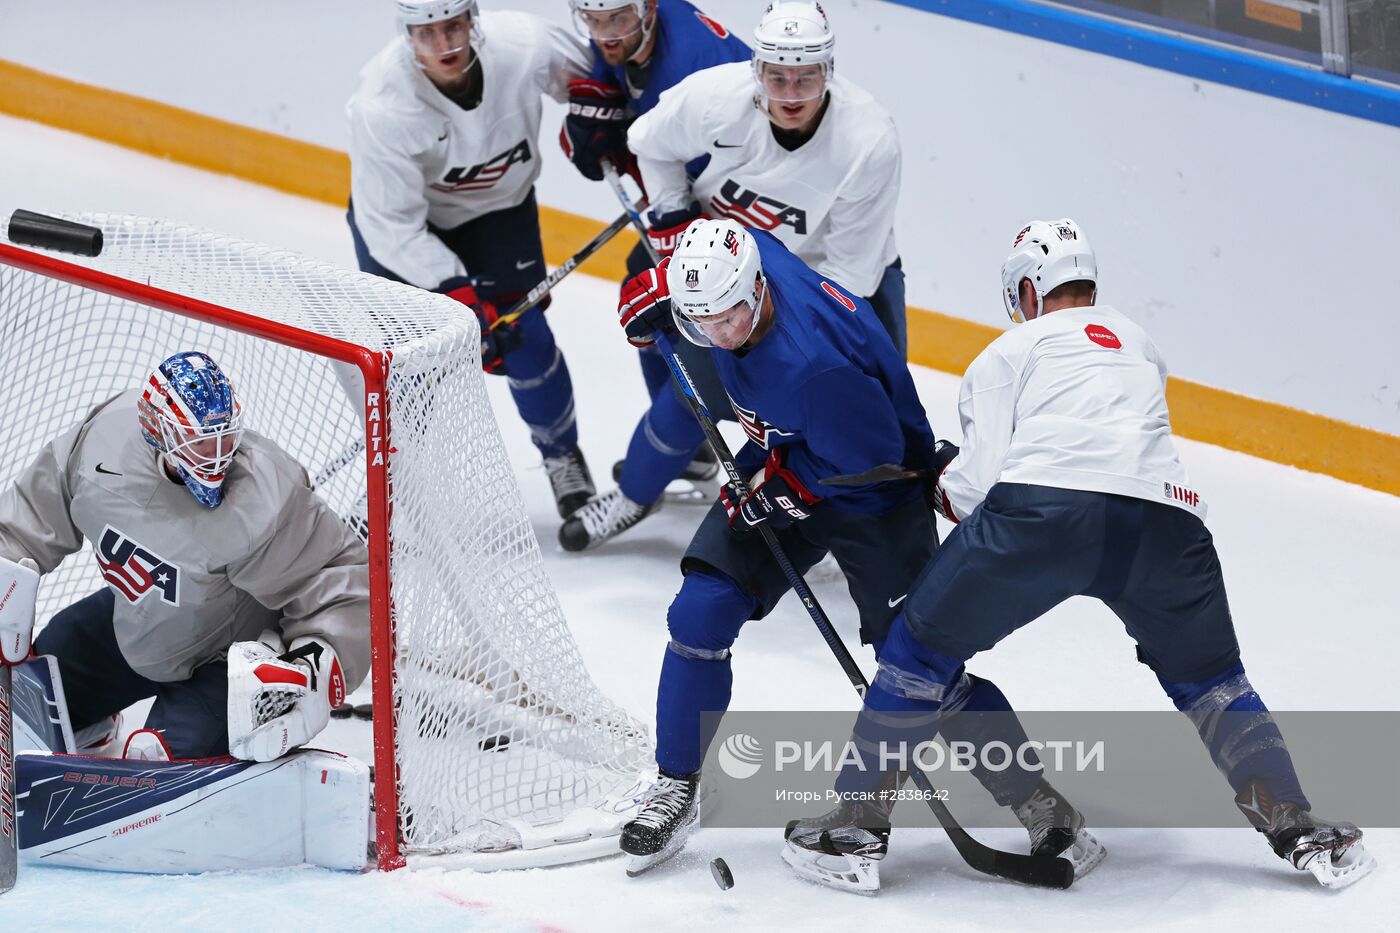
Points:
[(1309, 562)]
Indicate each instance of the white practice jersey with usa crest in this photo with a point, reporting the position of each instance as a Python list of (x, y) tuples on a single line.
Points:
[(418, 158), (831, 201), (188, 581)]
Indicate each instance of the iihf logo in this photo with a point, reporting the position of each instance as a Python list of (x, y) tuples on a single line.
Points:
[(134, 571)]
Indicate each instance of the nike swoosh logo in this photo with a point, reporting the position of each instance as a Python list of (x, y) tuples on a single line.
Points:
[(896, 602), (108, 472), (525, 265), (720, 145)]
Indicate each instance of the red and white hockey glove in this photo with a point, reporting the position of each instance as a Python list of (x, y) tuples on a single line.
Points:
[(19, 590), (595, 129), (777, 498), (666, 229), (279, 702), (944, 452), (496, 339), (645, 306)]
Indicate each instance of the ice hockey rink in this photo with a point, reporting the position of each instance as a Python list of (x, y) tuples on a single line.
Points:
[(1309, 562)]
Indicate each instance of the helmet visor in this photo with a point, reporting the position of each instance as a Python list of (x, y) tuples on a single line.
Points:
[(791, 84), (443, 43), (727, 330), (622, 22)]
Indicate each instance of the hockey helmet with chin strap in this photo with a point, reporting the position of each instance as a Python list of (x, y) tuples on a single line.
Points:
[(437, 35), (716, 283), (792, 33), (1049, 253)]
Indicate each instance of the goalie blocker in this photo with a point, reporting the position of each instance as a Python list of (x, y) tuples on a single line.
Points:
[(215, 814)]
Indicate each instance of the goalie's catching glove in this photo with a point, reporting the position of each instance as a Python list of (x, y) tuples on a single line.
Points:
[(279, 702), (776, 498)]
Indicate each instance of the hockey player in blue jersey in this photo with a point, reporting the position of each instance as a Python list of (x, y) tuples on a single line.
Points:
[(641, 48), (1068, 484), (819, 390)]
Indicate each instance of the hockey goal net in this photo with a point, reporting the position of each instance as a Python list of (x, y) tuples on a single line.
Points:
[(489, 735)]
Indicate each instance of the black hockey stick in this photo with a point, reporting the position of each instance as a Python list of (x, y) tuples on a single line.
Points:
[(883, 473), (1038, 870), (546, 285)]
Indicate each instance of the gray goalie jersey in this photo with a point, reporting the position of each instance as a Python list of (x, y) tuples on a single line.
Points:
[(190, 581)]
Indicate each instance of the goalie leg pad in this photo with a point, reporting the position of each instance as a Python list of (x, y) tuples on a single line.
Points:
[(310, 807)]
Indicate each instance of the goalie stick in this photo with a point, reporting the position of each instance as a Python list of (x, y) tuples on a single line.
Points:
[(9, 827), (1037, 870)]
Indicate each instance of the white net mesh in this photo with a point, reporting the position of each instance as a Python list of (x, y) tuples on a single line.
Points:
[(497, 719)]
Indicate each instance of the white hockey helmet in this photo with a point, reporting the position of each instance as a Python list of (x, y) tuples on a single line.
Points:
[(1049, 253), (597, 11), (412, 13), (790, 34), (716, 282)]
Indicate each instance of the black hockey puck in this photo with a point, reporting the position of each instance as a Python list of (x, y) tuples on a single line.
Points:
[(31, 229), (343, 711), (722, 875)]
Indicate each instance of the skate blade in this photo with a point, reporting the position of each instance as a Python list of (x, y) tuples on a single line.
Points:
[(1085, 853), (1337, 873), (641, 864), (686, 492), (853, 874)]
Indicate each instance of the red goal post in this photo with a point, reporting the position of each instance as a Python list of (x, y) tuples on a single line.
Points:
[(491, 741)]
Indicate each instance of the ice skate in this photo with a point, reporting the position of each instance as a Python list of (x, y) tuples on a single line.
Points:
[(696, 485), (666, 820), (1331, 851), (570, 480), (1057, 828), (835, 850), (601, 518)]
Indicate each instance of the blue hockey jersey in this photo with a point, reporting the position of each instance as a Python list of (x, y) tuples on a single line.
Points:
[(827, 384), (687, 41)]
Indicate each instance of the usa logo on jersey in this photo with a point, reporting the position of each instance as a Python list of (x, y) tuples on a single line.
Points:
[(754, 210), (758, 430), (484, 175), (133, 571)]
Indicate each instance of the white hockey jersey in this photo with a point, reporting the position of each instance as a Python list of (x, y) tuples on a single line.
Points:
[(190, 581), (831, 201), (418, 158), (1076, 400)]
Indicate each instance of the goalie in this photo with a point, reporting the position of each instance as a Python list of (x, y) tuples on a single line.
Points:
[(234, 596)]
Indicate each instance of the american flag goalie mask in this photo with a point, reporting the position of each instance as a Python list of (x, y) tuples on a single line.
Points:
[(189, 413)]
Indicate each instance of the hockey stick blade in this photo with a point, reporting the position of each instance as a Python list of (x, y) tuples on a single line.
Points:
[(883, 473), (9, 822)]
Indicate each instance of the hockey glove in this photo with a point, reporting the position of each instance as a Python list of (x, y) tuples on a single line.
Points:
[(595, 129), (645, 306), (776, 498), (944, 452), (277, 703), (496, 339), (19, 589), (666, 229)]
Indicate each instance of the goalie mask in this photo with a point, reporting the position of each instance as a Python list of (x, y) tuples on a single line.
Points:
[(1049, 253), (188, 413), (717, 285)]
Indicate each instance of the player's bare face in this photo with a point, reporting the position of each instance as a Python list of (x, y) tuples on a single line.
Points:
[(443, 49), (617, 33), (794, 93)]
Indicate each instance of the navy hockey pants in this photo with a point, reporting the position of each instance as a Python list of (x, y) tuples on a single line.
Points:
[(668, 437), (494, 248), (192, 714)]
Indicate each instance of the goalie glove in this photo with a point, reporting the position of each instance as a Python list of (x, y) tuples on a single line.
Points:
[(19, 589), (277, 703), (776, 498)]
